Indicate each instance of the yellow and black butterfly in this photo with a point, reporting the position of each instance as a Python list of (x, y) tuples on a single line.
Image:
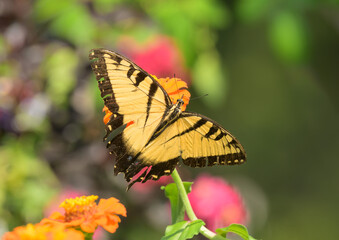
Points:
[(154, 132)]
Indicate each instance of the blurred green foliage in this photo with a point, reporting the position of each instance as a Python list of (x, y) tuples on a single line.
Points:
[(27, 183), (251, 11), (269, 69), (68, 19), (210, 80), (61, 77), (288, 37), (193, 24)]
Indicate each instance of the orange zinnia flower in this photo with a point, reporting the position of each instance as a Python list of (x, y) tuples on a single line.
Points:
[(43, 232), (83, 212), (175, 88)]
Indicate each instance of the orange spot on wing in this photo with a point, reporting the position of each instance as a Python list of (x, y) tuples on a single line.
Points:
[(108, 114), (130, 123)]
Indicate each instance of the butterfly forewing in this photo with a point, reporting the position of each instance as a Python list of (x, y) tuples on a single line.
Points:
[(135, 99)]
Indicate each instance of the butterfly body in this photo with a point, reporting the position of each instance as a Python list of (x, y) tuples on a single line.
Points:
[(156, 133)]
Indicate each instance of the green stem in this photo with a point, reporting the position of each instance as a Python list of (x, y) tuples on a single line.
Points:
[(184, 198), (88, 236)]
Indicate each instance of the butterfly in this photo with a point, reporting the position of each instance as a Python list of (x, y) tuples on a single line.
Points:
[(148, 133)]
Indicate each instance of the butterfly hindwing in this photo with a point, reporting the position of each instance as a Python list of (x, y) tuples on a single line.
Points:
[(205, 143), (198, 141)]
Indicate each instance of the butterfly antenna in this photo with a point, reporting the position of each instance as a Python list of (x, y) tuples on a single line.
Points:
[(195, 98)]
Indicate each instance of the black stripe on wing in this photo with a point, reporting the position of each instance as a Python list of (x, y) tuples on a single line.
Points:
[(153, 88), (212, 130), (196, 125), (140, 77)]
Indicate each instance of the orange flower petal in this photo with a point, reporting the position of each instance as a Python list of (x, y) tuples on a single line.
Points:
[(112, 205), (88, 226), (57, 216), (73, 234), (75, 222), (113, 219), (43, 231), (110, 228), (106, 204), (176, 89), (110, 224)]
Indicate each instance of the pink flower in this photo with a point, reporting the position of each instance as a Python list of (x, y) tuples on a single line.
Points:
[(159, 56), (216, 202)]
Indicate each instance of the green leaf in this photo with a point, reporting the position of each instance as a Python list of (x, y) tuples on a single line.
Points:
[(177, 207), (183, 230), (218, 237), (88, 236), (238, 229)]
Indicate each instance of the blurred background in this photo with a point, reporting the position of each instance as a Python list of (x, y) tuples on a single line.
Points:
[(270, 69)]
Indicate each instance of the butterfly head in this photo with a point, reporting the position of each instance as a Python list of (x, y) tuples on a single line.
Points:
[(179, 103), (176, 108)]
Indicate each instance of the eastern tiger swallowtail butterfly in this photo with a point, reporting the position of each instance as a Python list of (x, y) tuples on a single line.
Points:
[(155, 134)]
